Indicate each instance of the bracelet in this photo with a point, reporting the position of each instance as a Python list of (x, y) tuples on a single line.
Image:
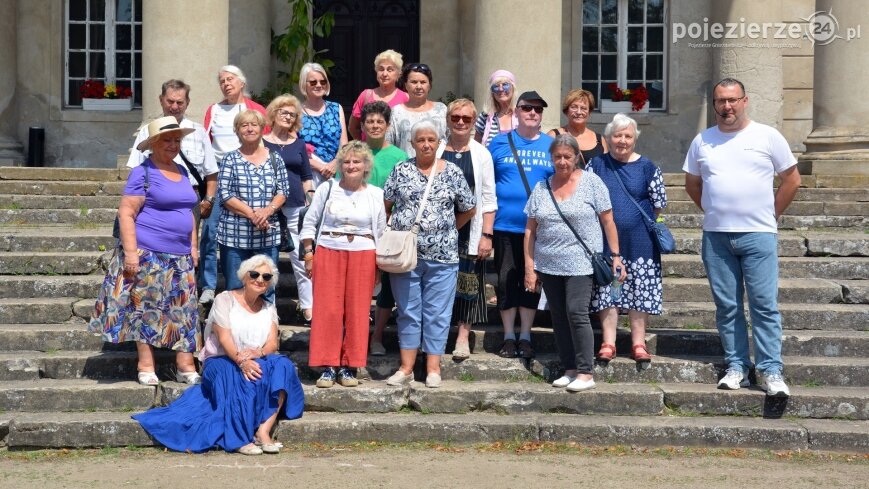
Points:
[(615, 255), (308, 257), (262, 352), (488, 235)]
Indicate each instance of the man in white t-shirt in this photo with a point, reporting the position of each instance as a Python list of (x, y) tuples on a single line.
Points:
[(729, 174), (196, 153)]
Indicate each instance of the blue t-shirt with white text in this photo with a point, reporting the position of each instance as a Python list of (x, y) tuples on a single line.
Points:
[(509, 188)]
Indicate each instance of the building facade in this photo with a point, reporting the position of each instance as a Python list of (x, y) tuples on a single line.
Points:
[(795, 69)]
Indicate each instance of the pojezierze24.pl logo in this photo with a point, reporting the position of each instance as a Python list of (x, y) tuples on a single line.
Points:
[(821, 28)]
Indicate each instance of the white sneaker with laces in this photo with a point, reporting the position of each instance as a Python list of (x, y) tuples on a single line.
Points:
[(733, 379), (774, 385)]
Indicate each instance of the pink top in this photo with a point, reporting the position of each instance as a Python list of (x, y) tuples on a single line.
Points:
[(367, 96)]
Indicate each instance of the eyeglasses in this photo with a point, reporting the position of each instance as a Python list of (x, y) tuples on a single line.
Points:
[(419, 67), (253, 274), (577, 108), (529, 108), (725, 101), (287, 115), (314, 83), (501, 87), (464, 118)]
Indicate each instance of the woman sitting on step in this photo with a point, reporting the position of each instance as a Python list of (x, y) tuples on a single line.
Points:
[(246, 384), (149, 293)]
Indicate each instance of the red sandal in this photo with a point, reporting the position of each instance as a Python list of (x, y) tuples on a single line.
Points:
[(641, 354), (607, 352)]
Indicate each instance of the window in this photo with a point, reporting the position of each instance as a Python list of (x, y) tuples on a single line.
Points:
[(623, 43), (103, 42)]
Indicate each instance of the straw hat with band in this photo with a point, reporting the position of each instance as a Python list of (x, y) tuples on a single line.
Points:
[(160, 126)]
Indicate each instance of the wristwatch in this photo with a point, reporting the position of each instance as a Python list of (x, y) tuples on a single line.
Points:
[(209, 199)]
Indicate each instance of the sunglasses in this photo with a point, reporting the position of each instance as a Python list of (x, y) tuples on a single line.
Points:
[(314, 83), (419, 67), (464, 118), (529, 108), (501, 87), (253, 274)]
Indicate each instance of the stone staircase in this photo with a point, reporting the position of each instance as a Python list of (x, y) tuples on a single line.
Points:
[(62, 387)]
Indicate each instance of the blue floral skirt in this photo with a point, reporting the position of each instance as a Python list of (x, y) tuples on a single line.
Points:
[(226, 409), (158, 307)]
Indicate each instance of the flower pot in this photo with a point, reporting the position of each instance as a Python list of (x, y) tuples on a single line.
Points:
[(116, 104), (608, 106)]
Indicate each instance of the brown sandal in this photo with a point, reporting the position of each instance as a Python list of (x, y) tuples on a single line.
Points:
[(641, 354), (607, 352)]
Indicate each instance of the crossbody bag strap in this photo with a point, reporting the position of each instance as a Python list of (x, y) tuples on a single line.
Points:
[(519, 163), (422, 204), (570, 226), (323, 210), (612, 169), (274, 169)]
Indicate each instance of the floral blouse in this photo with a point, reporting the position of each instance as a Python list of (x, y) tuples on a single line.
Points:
[(438, 238)]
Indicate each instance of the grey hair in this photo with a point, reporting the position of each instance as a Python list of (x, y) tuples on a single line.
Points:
[(307, 68), (621, 122), (235, 70), (564, 139), (423, 125), (257, 261)]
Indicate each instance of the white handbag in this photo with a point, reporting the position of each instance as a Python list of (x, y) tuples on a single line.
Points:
[(396, 250)]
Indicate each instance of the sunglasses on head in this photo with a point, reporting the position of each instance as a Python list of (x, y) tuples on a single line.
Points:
[(314, 83), (464, 118), (419, 67), (529, 108), (253, 274), (501, 87)]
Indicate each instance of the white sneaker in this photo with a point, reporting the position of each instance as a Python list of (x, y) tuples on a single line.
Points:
[(733, 379), (206, 296), (563, 381), (774, 385), (580, 385)]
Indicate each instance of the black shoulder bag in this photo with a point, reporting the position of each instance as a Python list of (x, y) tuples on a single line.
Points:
[(662, 237), (286, 240), (519, 163), (200, 183), (603, 270)]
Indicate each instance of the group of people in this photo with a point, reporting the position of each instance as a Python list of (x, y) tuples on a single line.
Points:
[(469, 186)]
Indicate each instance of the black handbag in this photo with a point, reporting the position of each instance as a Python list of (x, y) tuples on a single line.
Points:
[(661, 235), (287, 244), (601, 266)]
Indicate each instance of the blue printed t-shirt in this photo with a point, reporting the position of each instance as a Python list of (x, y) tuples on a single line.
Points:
[(509, 189)]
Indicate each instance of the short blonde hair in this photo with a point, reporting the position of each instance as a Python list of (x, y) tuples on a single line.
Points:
[(255, 262), (458, 104), (280, 102), (360, 149), (248, 116), (393, 57), (307, 68), (576, 95)]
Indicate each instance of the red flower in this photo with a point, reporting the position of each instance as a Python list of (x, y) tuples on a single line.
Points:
[(92, 89), (637, 96)]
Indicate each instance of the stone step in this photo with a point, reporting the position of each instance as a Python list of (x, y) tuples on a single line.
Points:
[(837, 181), (85, 218), (63, 174), (803, 290), (75, 395), (695, 221), (108, 429), (821, 267), (27, 286), (797, 208), (38, 310), (53, 262), (74, 336), (56, 238), (48, 187), (121, 365), (678, 193), (839, 317), (15, 201)]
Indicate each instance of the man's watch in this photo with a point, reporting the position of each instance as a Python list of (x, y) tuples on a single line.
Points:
[(209, 199)]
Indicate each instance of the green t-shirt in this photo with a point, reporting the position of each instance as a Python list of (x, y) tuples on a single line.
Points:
[(385, 160)]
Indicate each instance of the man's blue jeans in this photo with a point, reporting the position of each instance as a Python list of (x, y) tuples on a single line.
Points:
[(745, 262), (208, 250)]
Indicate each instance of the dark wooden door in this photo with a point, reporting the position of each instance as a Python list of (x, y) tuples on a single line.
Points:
[(364, 28)]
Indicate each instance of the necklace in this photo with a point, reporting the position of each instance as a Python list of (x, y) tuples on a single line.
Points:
[(458, 151)]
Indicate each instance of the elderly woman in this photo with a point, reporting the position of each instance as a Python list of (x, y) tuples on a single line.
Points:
[(284, 115), (246, 383), (375, 124), (343, 269), (387, 67), (642, 293), (155, 261), (577, 107), (416, 78), (323, 124), (475, 240), (498, 116), (584, 202), (425, 293), (219, 123), (252, 187)]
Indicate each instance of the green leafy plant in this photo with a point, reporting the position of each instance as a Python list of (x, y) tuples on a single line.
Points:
[(295, 47)]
